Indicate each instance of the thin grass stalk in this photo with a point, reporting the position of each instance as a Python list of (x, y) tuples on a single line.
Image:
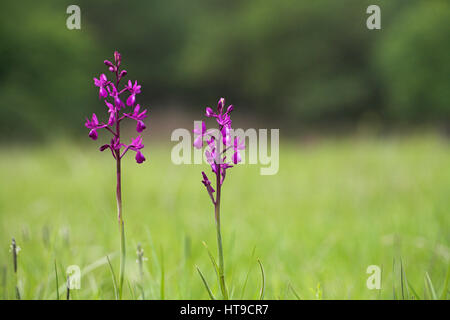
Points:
[(162, 288), (113, 276), (4, 274), (68, 288), (57, 282), (14, 254), (140, 255)]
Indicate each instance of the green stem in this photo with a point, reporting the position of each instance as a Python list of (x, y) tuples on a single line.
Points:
[(222, 284), (122, 258), (120, 217)]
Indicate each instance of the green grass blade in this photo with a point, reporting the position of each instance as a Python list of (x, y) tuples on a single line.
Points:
[(57, 283), (211, 295), (414, 291), (248, 273), (430, 286), (113, 275), (405, 284), (393, 280), (445, 290), (401, 279), (162, 275), (294, 292), (213, 261), (132, 292), (263, 277)]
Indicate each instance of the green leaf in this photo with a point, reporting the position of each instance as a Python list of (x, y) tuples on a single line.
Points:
[(206, 284)]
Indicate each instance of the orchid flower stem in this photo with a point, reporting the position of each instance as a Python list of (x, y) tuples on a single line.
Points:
[(222, 284), (120, 218)]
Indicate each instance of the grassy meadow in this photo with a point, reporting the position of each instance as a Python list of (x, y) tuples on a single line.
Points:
[(335, 207)]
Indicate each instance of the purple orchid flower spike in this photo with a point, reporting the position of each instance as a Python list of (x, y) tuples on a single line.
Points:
[(215, 156), (108, 89)]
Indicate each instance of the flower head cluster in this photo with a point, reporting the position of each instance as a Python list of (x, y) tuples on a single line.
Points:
[(218, 143), (110, 90)]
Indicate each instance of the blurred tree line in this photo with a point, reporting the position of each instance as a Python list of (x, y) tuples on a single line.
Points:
[(298, 61)]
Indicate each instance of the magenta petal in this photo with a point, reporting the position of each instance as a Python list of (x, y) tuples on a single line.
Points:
[(139, 157), (112, 118), (102, 93), (131, 100), (93, 134), (209, 112), (198, 142), (140, 126)]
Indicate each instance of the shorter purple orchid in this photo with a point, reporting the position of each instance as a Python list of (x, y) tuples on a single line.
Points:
[(215, 154), (102, 82), (138, 116), (133, 89)]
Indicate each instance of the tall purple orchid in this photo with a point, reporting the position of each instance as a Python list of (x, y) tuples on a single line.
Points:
[(219, 143), (115, 107)]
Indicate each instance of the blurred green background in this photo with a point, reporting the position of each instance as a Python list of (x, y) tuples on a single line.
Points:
[(301, 63), (340, 202)]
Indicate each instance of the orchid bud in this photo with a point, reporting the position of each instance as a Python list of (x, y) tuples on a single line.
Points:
[(220, 105), (117, 58), (104, 147), (123, 73), (108, 63), (209, 112)]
